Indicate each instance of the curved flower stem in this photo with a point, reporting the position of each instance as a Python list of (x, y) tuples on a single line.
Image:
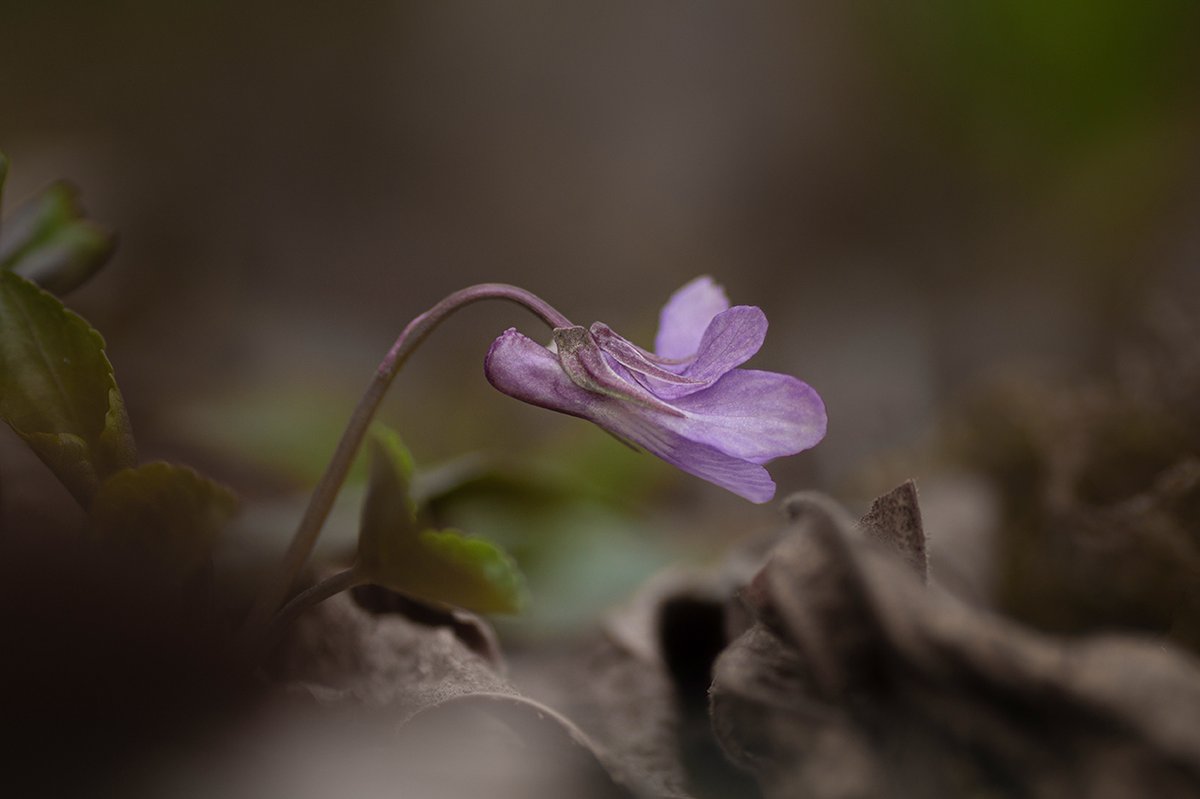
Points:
[(334, 584), (280, 582)]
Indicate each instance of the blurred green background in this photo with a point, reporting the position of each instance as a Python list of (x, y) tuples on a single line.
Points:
[(918, 194)]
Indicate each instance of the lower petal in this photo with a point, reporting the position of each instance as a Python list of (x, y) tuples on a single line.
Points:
[(685, 317), (752, 415), (744, 478)]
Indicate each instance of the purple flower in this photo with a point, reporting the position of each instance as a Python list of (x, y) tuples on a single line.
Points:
[(687, 402)]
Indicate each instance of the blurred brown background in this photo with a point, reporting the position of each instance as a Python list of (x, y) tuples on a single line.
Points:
[(918, 194)]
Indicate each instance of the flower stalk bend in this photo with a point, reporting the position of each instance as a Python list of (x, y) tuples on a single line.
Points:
[(281, 582)]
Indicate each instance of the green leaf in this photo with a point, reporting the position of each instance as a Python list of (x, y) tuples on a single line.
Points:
[(47, 240), (389, 504), (57, 389), (397, 552), (467, 571), (167, 511)]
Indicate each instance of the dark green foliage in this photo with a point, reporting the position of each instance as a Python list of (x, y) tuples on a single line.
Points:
[(59, 394), (57, 389), (163, 508)]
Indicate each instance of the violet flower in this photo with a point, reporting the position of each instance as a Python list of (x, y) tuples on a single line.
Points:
[(687, 402)]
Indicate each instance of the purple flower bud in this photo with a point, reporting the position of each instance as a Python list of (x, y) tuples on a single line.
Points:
[(687, 402)]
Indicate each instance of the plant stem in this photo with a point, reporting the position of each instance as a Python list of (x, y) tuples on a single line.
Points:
[(334, 584), (280, 582)]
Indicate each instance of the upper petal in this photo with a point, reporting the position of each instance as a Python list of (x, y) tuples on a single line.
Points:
[(731, 339), (652, 371), (752, 415), (685, 317)]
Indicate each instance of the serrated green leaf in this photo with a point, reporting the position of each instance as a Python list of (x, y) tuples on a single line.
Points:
[(167, 511), (449, 567), (438, 566), (57, 389), (463, 570), (47, 240)]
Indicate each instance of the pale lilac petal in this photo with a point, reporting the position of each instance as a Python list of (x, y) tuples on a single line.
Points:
[(744, 478), (685, 317), (752, 415), (731, 339)]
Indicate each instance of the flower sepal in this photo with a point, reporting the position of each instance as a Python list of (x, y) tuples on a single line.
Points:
[(584, 362)]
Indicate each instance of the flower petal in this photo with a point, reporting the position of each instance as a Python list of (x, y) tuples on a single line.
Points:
[(685, 317), (520, 367), (752, 415), (731, 339), (744, 478)]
